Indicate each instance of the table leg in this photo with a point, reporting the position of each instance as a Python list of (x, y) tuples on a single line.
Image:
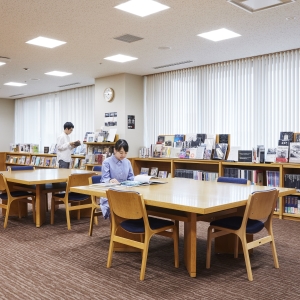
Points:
[(190, 244), (40, 209)]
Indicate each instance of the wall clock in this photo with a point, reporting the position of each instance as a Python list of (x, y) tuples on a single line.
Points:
[(108, 94)]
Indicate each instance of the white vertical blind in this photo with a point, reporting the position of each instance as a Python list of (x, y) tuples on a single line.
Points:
[(253, 99), (40, 119)]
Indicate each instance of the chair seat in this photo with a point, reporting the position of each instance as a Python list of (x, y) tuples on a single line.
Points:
[(73, 196), (234, 223), (15, 194), (58, 185), (137, 226)]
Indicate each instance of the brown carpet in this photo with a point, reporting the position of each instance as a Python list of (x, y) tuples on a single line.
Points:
[(53, 263)]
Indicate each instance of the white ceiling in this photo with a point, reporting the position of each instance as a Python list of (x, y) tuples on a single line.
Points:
[(89, 28)]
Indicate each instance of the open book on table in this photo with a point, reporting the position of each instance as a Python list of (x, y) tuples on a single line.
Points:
[(138, 180)]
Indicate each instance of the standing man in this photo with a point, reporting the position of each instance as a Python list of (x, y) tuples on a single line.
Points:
[(65, 147)]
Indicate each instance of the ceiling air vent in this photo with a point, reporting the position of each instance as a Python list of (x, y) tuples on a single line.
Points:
[(258, 5), (68, 84), (175, 64), (16, 95), (128, 38)]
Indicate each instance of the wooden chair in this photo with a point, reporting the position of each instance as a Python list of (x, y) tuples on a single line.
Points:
[(260, 206), (95, 206), (70, 197), (97, 168), (127, 210), (11, 196)]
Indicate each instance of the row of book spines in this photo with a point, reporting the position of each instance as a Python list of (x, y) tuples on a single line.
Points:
[(255, 176), (99, 150), (77, 163), (18, 160), (96, 159), (43, 161), (292, 181), (196, 174), (292, 205)]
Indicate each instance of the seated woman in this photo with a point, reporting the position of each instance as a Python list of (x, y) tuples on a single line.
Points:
[(116, 169)]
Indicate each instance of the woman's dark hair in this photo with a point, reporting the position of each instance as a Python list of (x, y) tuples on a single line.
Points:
[(121, 144), (68, 125)]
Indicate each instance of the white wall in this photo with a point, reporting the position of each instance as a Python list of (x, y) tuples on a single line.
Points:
[(128, 100), (7, 123)]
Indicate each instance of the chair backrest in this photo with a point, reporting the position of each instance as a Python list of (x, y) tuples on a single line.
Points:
[(20, 168), (126, 204), (261, 204), (97, 168), (3, 184), (78, 179), (95, 179), (233, 180)]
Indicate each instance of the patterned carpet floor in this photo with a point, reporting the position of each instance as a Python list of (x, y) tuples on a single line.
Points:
[(53, 263)]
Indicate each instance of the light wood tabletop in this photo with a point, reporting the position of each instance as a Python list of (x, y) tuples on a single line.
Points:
[(40, 177), (191, 197)]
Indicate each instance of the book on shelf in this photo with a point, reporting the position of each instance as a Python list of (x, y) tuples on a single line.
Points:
[(33, 158), (34, 148), (294, 152), (282, 153), (160, 139), (27, 161), (296, 137), (169, 140), (208, 151), (53, 162), (76, 163), (86, 135), (287, 135), (234, 153), (201, 137), (90, 138), (111, 134), (162, 174), (271, 155), (154, 171), (192, 141), (220, 151), (53, 149), (47, 161), (37, 161), (82, 164), (7, 158), (193, 153), (283, 143), (178, 140), (144, 171), (157, 150), (42, 161), (175, 152)]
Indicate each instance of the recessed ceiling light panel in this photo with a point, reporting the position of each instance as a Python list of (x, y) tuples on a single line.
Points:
[(257, 5), (142, 8), (2, 63), (120, 58), (58, 73), (15, 84), (219, 35), (45, 42)]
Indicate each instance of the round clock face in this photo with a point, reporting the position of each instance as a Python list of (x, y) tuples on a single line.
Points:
[(108, 94)]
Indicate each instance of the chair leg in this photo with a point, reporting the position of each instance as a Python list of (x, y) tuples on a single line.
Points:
[(208, 247), (144, 259), (177, 225), (7, 214), (236, 246), (110, 251), (247, 258), (68, 216), (175, 239), (274, 252), (78, 213), (92, 221), (19, 210)]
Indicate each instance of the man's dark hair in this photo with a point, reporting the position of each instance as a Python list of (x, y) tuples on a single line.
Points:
[(121, 144), (68, 125)]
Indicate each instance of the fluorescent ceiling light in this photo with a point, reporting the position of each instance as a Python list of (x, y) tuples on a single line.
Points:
[(2, 63), (120, 58), (45, 42), (15, 84), (58, 73), (142, 8), (219, 35), (258, 4)]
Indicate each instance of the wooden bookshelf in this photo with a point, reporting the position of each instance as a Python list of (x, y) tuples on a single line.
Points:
[(171, 164)]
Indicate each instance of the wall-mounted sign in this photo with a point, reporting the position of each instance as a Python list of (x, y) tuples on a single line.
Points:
[(131, 122)]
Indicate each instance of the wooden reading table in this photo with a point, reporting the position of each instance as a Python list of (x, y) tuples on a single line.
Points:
[(191, 201), (39, 178)]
